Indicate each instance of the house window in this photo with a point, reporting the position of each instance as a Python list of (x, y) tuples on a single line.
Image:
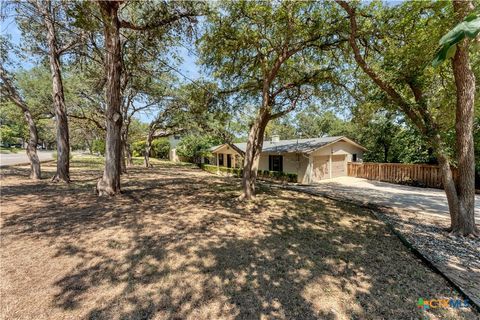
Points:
[(354, 157), (275, 163), (220, 159)]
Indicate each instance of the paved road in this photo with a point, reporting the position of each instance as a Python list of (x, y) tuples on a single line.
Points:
[(430, 201), (9, 159)]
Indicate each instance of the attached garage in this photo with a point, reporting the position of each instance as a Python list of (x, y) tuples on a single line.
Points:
[(322, 167), (339, 166)]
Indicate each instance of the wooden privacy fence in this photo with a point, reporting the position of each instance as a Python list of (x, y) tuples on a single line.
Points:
[(424, 175)]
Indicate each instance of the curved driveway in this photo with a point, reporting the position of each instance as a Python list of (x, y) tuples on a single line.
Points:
[(426, 200)]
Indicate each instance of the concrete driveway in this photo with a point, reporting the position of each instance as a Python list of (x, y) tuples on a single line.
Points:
[(10, 159), (426, 200)]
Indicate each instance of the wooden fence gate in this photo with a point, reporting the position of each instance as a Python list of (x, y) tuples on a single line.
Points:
[(424, 175)]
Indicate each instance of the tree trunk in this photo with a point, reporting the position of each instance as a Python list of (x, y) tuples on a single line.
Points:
[(31, 149), (465, 87), (450, 189), (63, 142), (35, 172), (128, 152), (123, 162), (148, 148), (252, 154), (89, 146), (109, 184)]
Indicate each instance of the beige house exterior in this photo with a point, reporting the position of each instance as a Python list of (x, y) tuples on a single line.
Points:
[(311, 159), (174, 140)]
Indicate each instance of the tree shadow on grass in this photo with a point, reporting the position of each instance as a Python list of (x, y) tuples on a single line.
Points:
[(179, 246)]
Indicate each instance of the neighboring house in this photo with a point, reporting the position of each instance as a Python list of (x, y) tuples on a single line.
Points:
[(311, 159), (174, 140)]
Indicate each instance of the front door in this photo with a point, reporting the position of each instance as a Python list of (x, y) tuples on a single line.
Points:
[(229, 160)]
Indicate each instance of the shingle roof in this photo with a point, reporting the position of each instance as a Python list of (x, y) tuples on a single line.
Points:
[(294, 145)]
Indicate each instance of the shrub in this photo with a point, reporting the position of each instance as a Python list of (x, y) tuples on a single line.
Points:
[(160, 148), (274, 175), (292, 177), (138, 148), (196, 147), (230, 171), (98, 146)]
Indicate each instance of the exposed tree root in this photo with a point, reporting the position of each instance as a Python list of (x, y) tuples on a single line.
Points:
[(461, 233), (102, 189), (56, 178)]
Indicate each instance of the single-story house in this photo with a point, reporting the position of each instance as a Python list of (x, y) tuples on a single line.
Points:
[(312, 159)]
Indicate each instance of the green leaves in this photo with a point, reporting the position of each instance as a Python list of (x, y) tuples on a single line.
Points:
[(469, 27)]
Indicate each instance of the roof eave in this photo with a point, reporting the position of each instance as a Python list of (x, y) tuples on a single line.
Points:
[(233, 146), (335, 141)]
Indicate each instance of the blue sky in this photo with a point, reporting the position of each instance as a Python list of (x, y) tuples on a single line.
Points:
[(188, 67)]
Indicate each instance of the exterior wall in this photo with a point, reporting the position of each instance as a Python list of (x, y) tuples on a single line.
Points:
[(321, 168), (340, 148), (172, 155), (174, 140), (309, 168), (227, 150), (290, 162)]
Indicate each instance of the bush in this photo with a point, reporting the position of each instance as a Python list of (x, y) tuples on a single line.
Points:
[(160, 148), (196, 147), (98, 146), (274, 175), (236, 172), (138, 148), (278, 175)]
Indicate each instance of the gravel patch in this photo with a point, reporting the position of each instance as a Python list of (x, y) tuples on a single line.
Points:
[(457, 258)]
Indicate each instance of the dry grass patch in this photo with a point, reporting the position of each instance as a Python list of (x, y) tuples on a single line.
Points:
[(177, 245)]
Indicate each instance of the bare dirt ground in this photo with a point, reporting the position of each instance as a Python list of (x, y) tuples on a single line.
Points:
[(177, 245)]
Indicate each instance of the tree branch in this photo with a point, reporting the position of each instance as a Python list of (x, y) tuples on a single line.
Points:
[(158, 23), (12, 92), (292, 107), (386, 87)]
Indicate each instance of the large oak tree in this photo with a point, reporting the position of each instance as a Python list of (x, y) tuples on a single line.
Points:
[(397, 59), (142, 17), (9, 91), (48, 32), (274, 53)]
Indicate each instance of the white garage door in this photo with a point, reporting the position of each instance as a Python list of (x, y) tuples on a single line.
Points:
[(338, 166)]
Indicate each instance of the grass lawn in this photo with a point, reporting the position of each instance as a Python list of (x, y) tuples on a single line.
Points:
[(5, 150), (177, 245)]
